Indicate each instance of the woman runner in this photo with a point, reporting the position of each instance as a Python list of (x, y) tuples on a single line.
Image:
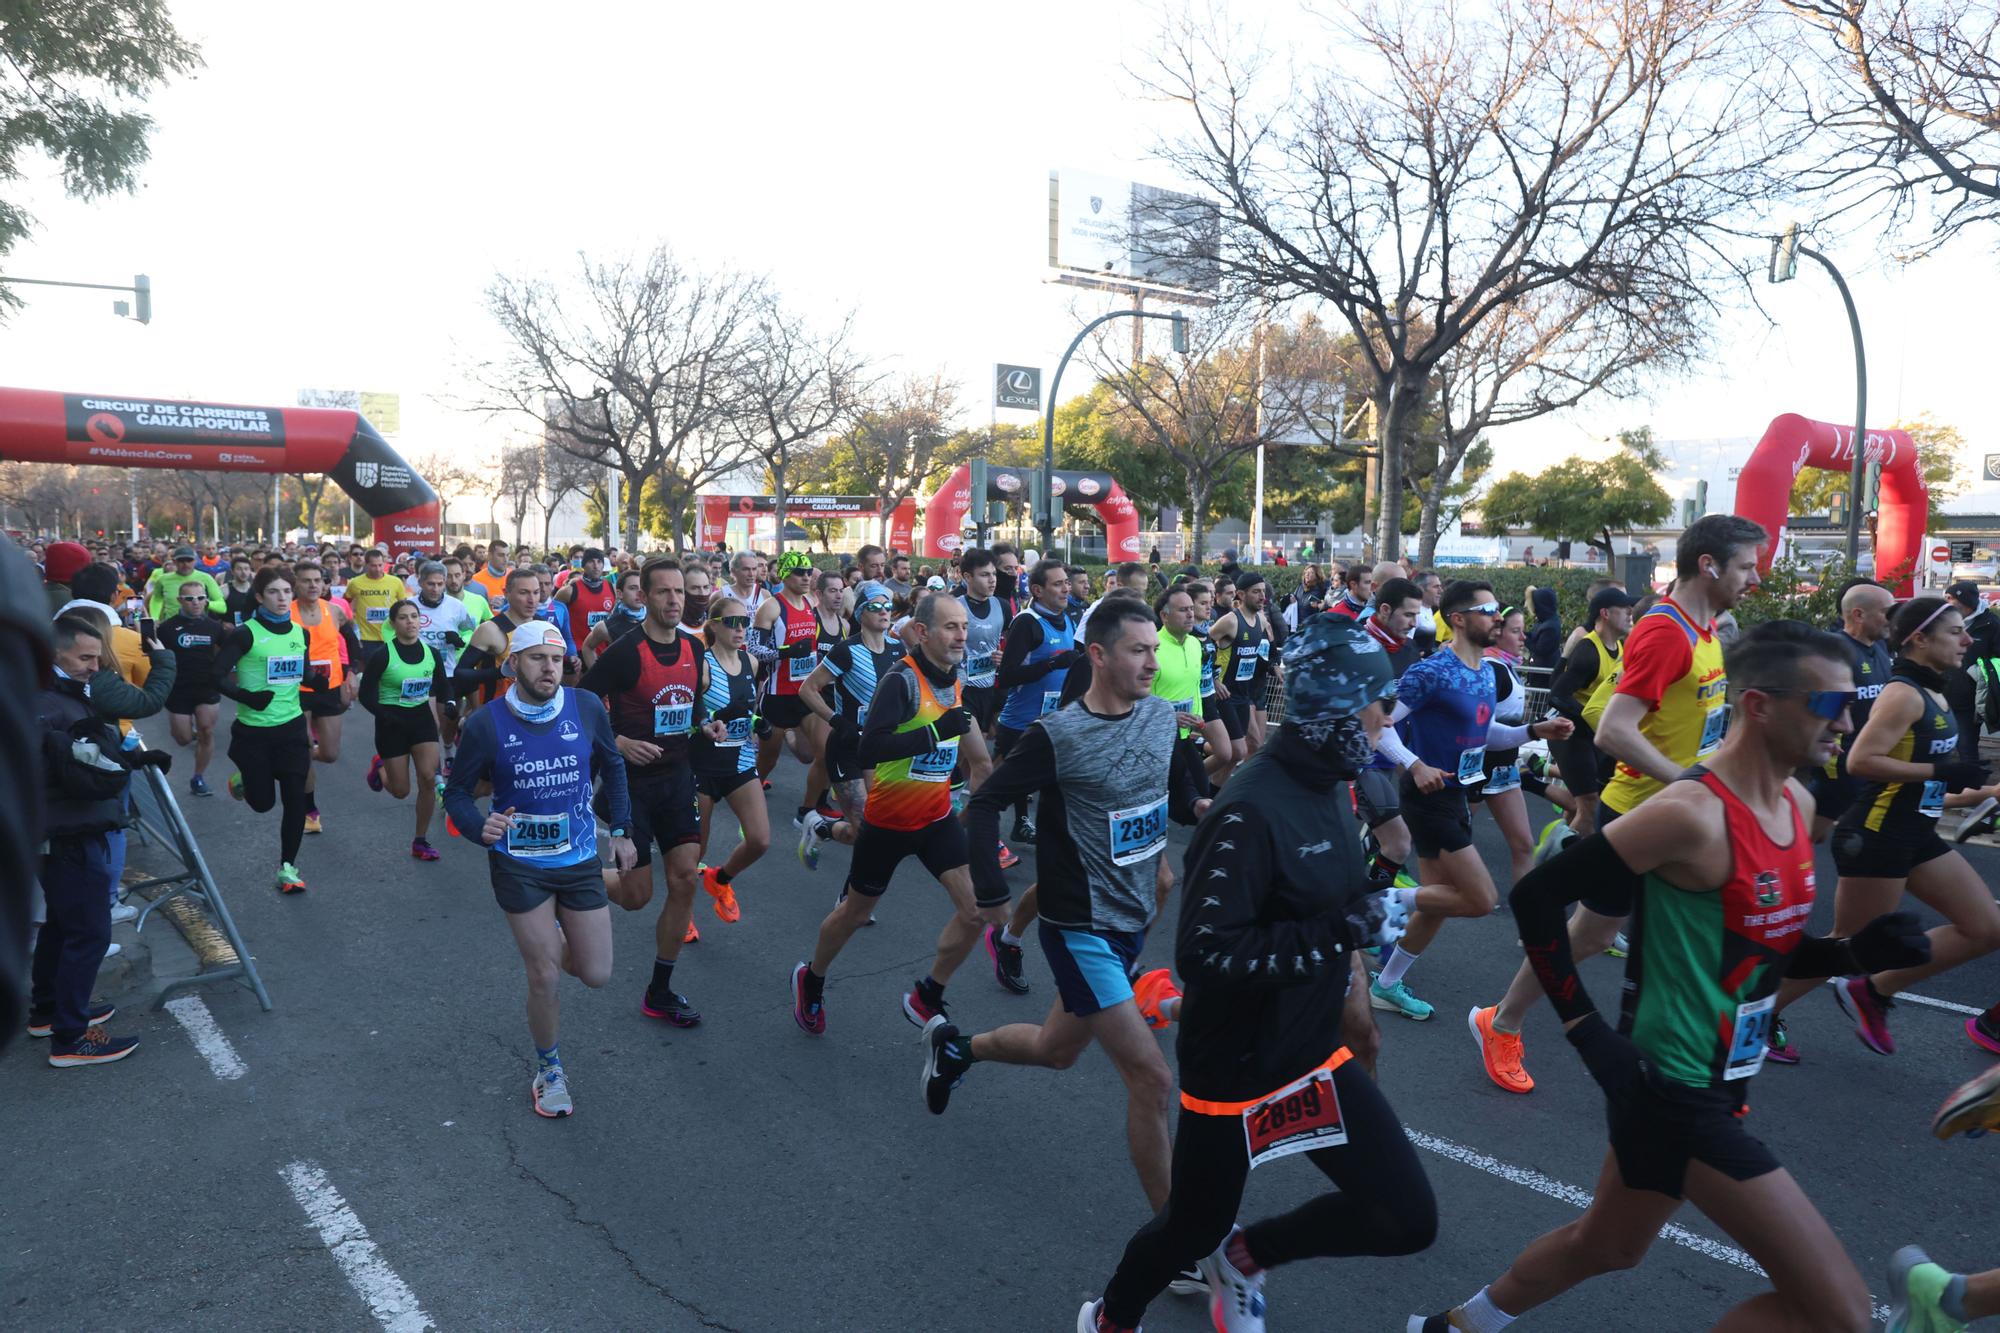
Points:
[(726, 769), (268, 740), (402, 681)]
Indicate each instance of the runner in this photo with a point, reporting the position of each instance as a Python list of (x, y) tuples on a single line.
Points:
[(744, 584), (400, 679), (269, 740), (239, 599), (623, 619), (1864, 623), (541, 748), (839, 692), (1106, 773), (1243, 655), (587, 596), (916, 723), (1907, 762), (1039, 646), (1719, 870), (481, 673), (829, 604), (1928, 1298), (1377, 791), (726, 769), (1591, 665), (1357, 593), (327, 656), (1506, 774), (986, 624), (698, 592), (1214, 731), (1666, 709), (1274, 1059), (491, 578), (193, 637), (784, 637), (651, 683), (372, 594), (163, 590), (1445, 724)]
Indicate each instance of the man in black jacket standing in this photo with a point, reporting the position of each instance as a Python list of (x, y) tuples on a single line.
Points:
[(86, 781), (1961, 690)]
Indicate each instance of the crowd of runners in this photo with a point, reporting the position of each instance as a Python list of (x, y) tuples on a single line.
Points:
[(581, 717)]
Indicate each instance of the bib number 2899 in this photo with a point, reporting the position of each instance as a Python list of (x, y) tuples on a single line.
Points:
[(1296, 1118)]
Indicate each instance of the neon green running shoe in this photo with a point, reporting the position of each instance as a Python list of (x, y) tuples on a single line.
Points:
[(1916, 1285)]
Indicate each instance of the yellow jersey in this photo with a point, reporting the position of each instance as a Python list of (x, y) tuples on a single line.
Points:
[(371, 600), (1675, 667)]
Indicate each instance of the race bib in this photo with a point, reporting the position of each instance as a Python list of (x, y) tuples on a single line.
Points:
[(738, 731), (1932, 801), (376, 615), (322, 668), (937, 765), (284, 670), (1263, 650), (532, 836), (798, 668), (1298, 1117), (672, 719), (416, 689), (1712, 727), (596, 618), (1749, 1038), (1472, 766), (1137, 832), (1051, 700), (979, 671), (1246, 666), (1506, 777), (1192, 707)]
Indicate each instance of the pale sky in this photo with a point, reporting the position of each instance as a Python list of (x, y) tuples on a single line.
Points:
[(329, 196)]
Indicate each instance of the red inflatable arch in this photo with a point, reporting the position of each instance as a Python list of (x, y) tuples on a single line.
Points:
[(1792, 443), (113, 430), (944, 515)]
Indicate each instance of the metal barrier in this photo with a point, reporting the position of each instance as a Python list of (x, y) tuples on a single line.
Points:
[(157, 820)]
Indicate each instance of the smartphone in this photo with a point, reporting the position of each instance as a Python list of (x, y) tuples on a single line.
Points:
[(149, 630)]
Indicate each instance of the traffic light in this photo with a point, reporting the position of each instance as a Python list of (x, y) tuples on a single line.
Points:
[(142, 297), (1785, 255), (1180, 334)]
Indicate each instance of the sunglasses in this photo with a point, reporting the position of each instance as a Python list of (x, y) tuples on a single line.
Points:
[(733, 622), (1486, 608), (1823, 704), (880, 608)]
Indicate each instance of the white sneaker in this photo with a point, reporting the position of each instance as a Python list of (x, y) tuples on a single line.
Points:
[(1086, 1318), (1235, 1302), (113, 949), (1189, 1282), (551, 1093), (810, 836), (122, 913)]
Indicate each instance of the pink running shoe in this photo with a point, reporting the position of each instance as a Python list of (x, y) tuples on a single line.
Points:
[(1982, 1034), (375, 774), (421, 849), (1870, 1013)]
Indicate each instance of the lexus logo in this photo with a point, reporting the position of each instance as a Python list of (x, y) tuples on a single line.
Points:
[(1019, 381)]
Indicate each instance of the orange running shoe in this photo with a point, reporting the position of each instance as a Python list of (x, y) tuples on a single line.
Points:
[(1501, 1051), (1151, 991), (724, 895), (693, 936)]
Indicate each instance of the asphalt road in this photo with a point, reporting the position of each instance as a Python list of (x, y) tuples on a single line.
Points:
[(746, 1176)]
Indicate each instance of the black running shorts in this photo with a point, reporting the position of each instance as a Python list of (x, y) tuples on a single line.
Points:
[(664, 810), (785, 711), (1439, 821), (519, 887), (718, 786), (1859, 853), (1377, 797), (878, 851), (399, 730), (1236, 715), (1581, 762), (1658, 1127), (983, 702)]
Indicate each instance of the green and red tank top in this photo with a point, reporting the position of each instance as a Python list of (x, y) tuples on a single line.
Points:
[(800, 624), (914, 793), (1702, 975)]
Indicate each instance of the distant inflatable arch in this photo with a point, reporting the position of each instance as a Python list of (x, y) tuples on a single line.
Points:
[(944, 514), (1793, 443), (127, 430)]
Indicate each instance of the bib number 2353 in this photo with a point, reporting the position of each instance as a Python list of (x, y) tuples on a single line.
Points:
[(1297, 1118), (1137, 832)]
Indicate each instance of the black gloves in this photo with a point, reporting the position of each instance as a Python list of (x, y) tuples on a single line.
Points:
[(160, 759), (1063, 660), (734, 711), (955, 722), (799, 648), (1960, 774), (1611, 1059), (319, 682), (256, 700), (1890, 941)]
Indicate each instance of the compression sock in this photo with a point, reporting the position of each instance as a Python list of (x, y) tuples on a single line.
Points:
[(1481, 1315), (1009, 938), (723, 876), (1237, 1252), (1382, 871), (815, 985), (663, 977), (930, 990), (1392, 971), (546, 1060), (1952, 1300)]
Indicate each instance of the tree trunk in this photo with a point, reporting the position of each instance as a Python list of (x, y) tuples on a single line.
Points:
[(778, 497), (1198, 489), (635, 488), (548, 519), (1389, 442), (1427, 530)]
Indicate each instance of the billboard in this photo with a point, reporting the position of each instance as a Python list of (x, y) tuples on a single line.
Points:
[(1115, 228), (1017, 387), (1303, 411)]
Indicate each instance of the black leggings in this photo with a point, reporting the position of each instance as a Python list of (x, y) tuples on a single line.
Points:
[(274, 762), (1383, 1206)]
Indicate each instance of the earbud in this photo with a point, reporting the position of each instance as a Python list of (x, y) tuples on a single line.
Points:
[(1712, 574)]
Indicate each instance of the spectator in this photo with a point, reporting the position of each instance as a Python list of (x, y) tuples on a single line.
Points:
[(1545, 640), (1153, 556), (59, 565), (1229, 569), (1960, 692), (1358, 588), (899, 581)]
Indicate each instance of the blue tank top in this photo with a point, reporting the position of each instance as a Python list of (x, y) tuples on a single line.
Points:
[(724, 692), (1027, 702), (854, 684), (1451, 706), (543, 772)]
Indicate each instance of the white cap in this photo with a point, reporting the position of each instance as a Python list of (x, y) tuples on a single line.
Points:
[(535, 634)]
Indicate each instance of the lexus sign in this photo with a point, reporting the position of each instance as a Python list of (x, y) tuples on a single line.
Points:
[(1018, 387)]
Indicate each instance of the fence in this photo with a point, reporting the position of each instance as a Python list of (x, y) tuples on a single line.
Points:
[(158, 822)]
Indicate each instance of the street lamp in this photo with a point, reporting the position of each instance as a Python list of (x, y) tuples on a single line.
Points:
[(1045, 518), (1785, 251)]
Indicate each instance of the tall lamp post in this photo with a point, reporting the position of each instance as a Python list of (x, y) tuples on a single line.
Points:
[(1785, 251), (1045, 517)]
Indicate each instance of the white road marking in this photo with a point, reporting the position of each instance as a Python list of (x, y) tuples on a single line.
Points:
[(388, 1298), (1580, 1198), (1941, 1004), (201, 1027)]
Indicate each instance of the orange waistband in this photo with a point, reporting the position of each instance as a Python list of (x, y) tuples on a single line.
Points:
[(1200, 1107)]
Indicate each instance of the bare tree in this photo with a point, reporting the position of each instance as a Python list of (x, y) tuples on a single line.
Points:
[(631, 367), (453, 480), (520, 483), (901, 440), (1906, 111), (563, 475), (794, 384), (1482, 156)]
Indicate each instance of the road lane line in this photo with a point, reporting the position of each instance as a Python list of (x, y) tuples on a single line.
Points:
[(1940, 1004), (387, 1296), (201, 1027), (1580, 1198)]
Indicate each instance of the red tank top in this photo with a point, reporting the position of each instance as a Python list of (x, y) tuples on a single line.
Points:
[(588, 609), (801, 625), (660, 708)]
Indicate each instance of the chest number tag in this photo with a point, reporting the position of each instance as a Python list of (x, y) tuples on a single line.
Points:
[(1051, 700), (672, 719), (288, 670), (937, 765), (536, 836), (1296, 1118), (596, 618), (1246, 664), (416, 688), (979, 671), (1932, 801), (1748, 1039), (1472, 766), (1712, 727), (1138, 832), (376, 615), (798, 668), (738, 730)]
